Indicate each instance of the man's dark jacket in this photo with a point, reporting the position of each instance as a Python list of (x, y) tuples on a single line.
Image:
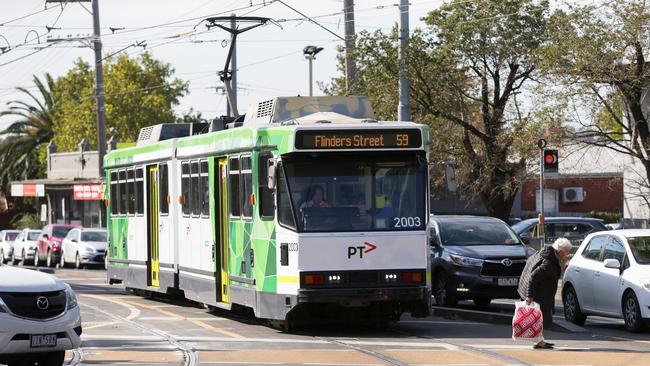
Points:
[(539, 278)]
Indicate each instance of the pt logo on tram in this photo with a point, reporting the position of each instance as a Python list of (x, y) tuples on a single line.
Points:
[(366, 248)]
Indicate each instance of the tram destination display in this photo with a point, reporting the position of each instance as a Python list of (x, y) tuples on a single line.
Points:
[(358, 139)]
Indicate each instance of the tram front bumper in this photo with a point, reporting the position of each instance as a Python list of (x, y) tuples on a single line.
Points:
[(364, 296)]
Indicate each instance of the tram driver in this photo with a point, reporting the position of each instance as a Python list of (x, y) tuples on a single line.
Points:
[(316, 196)]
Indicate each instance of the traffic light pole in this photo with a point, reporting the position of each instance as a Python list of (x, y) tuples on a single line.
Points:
[(540, 218)]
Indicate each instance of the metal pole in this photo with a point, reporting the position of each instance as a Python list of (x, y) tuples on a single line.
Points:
[(99, 88), (541, 198), (404, 110), (350, 65), (311, 86), (233, 63)]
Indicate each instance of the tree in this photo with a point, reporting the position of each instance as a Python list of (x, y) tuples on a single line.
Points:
[(25, 139), (598, 54), (465, 71), (139, 92)]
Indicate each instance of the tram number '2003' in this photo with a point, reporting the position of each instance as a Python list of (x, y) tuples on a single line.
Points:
[(407, 222)]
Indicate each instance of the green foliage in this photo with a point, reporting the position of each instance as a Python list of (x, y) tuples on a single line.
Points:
[(22, 148), (608, 217), (465, 70), (139, 93), (28, 221)]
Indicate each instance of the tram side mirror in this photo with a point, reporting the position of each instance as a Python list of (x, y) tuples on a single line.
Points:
[(271, 174)]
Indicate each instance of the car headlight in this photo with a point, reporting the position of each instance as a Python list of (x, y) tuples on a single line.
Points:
[(90, 249), (465, 261), (71, 298)]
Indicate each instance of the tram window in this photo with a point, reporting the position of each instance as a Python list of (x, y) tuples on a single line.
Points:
[(163, 189), (185, 188), (285, 215), (115, 209), (247, 186), (139, 191), (194, 188), (123, 191), (266, 206), (205, 190), (131, 191), (235, 194)]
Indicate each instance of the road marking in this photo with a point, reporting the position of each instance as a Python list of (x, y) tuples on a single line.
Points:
[(403, 344), (165, 318), (133, 311), (196, 322), (129, 338), (87, 326), (443, 322), (520, 346)]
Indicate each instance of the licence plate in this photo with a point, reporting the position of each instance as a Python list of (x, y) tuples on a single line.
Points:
[(43, 340), (508, 281)]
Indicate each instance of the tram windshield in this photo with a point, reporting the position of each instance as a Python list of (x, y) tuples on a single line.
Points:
[(348, 192)]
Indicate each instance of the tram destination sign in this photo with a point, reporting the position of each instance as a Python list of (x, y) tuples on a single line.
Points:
[(358, 139)]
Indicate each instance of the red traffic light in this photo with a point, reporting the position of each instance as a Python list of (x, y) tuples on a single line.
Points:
[(549, 158), (550, 161)]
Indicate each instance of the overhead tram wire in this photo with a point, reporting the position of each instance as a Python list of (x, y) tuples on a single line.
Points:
[(311, 20), (26, 16)]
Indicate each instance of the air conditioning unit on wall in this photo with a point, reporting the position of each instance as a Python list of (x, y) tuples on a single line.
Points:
[(573, 194)]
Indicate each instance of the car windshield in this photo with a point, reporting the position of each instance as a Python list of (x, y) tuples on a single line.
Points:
[(11, 236), (60, 231), (93, 236), (341, 192), (465, 233), (640, 247), (33, 235)]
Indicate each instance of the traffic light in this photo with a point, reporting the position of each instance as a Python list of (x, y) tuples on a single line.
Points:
[(550, 161)]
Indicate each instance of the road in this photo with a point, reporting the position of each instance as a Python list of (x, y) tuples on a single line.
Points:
[(121, 328)]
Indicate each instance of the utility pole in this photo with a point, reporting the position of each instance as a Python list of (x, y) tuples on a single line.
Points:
[(541, 143), (350, 40), (233, 65), (404, 109), (99, 88)]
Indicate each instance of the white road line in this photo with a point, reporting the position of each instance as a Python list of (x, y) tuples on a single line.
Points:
[(402, 344), (126, 338), (96, 325), (167, 318), (520, 346), (133, 311), (442, 322)]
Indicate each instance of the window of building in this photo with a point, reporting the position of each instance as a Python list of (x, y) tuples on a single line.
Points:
[(205, 189), (195, 201), (115, 208), (185, 188), (235, 194), (266, 206), (130, 175), (124, 192), (163, 189), (246, 175), (139, 191)]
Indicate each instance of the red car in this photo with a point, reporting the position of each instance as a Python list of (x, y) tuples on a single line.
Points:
[(48, 246)]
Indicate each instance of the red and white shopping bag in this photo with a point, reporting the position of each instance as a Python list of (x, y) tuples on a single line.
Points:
[(527, 323)]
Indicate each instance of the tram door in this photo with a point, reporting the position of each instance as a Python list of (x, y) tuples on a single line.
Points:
[(152, 227), (221, 205)]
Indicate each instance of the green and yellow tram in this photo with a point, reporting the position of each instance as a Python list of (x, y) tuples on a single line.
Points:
[(306, 203)]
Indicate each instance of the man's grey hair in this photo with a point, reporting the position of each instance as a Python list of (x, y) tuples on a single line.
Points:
[(562, 245)]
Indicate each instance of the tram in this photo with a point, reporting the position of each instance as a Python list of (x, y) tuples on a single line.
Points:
[(305, 203)]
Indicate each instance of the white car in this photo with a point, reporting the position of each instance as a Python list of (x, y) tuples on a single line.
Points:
[(25, 246), (7, 238), (39, 315), (610, 276), (84, 246)]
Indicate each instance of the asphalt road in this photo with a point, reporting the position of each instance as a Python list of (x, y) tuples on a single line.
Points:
[(121, 328)]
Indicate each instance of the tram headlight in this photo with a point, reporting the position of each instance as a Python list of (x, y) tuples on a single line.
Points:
[(334, 279), (390, 277)]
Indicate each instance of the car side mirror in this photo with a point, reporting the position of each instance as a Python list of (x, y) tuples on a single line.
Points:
[(525, 239), (612, 263), (45, 236), (73, 240)]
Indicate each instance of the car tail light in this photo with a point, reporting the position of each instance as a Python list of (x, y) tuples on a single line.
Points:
[(412, 276), (314, 279)]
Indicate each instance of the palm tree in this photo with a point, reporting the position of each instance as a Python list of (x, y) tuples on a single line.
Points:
[(23, 138)]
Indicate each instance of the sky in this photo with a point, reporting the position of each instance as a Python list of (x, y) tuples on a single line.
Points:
[(270, 60)]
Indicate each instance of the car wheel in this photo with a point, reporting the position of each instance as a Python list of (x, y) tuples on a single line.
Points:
[(572, 311), (14, 261), (36, 261), (62, 262), (22, 258), (2, 257), (482, 302), (632, 313), (52, 359), (49, 261), (443, 294), (77, 261)]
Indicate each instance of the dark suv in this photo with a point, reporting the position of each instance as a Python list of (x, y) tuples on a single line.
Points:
[(478, 258), (573, 228), (48, 246)]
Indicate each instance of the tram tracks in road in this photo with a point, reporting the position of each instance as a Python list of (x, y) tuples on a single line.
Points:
[(190, 357)]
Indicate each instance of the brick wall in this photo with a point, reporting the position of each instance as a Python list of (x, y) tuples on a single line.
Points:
[(602, 193)]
